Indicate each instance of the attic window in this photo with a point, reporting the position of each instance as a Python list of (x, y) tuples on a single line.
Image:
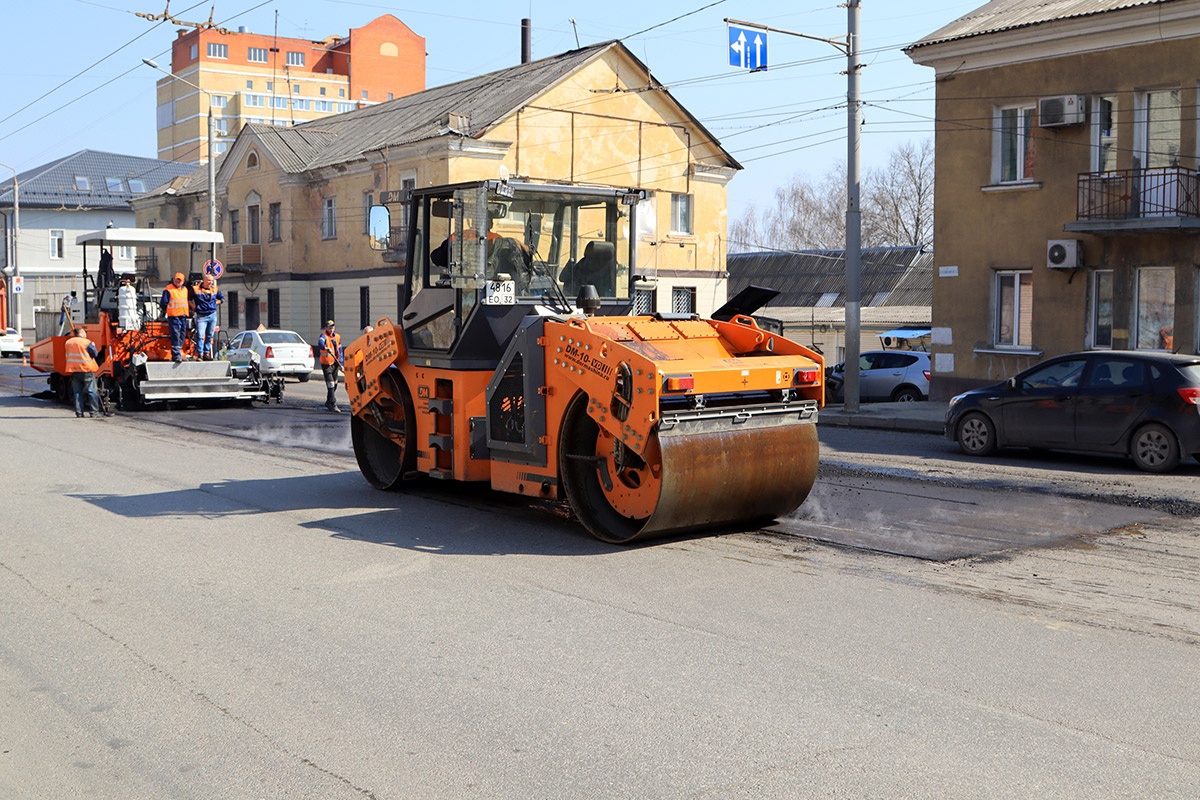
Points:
[(137, 185), (82, 184), (114, 184), (252, 161), (880, 298)]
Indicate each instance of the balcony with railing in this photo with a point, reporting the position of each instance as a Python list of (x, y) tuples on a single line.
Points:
[(1144, 200), (243, 257)]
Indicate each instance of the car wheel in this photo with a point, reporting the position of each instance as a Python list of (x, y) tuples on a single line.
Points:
[(976, 435), (303, 378), (1154, 448), (906, 394)]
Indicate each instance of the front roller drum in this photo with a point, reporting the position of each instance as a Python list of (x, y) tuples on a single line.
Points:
[(696, 474), (384, 435)]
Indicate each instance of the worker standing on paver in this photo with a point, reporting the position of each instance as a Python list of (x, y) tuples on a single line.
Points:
[(331, 355), (207, 297), (176, 306)]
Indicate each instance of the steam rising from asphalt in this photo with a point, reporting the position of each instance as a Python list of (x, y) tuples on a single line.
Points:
[(323, 438)]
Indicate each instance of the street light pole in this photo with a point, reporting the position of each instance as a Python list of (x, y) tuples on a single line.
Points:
[(16, 267), (212, 153)]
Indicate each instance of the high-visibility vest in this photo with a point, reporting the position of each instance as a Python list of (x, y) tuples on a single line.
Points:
[(178, 305), (78, 358), (329, 355)]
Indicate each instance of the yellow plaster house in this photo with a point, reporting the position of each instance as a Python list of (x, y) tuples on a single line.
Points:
[(294, 202)]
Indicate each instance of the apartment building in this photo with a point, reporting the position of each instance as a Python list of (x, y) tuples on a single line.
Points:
[(1068, 155), (248, 77)]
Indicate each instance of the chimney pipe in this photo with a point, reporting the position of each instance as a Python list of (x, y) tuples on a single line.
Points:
[(526, 40)]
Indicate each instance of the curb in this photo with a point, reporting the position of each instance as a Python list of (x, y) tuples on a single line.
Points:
[(840, 419)]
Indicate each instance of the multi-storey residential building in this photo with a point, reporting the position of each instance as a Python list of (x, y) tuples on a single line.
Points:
[(248, 77), (1067, 184), (295, 201)]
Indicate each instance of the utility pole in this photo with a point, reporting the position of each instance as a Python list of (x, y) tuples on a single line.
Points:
[(15, 297), (849, 46), (212, 153), (853, 211)]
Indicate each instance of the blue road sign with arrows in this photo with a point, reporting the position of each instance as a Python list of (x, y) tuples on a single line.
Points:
[(747, 48)]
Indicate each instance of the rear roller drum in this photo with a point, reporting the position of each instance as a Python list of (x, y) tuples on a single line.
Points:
[(385, 459)]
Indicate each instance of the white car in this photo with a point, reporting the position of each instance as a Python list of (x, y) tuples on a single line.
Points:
[(279, 353), (11, 344)]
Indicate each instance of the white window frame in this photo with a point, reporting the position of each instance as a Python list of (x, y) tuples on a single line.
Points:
[(124, 252), (217, 50), (329, 218), (1141, 128), (295, 58), (1024, 134), (1095, 306), (1152, 336), (58, 243), (260, 52), (682, 221), (218, 101), (1020, 301), (1104, 140)]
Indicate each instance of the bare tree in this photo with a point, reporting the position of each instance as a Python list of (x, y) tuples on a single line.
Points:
[(901, 197), (897, 208)]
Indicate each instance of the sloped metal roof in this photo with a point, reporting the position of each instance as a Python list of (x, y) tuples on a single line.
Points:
[(53, 185), (1004, 15), (890, 276), (480, 102)]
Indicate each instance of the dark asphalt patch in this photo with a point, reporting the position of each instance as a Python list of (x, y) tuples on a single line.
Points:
[(937, 522)]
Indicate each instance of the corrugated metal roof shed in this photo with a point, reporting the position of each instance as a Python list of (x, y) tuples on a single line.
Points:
[(1004, 15), (890, 276), (107, 177)]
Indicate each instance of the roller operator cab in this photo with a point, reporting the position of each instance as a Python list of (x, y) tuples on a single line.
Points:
[(518, 361)]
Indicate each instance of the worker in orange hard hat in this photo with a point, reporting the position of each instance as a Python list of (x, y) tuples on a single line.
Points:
[(176, 305)]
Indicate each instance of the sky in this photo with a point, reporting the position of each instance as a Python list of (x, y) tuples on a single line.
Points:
[(73, 76)]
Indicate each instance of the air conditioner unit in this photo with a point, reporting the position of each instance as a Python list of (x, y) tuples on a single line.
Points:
[(1064, 253), (1066, 109)]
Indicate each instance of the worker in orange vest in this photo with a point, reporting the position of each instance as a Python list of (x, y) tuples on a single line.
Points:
[(81, 368), (177, 307), (330, 354)]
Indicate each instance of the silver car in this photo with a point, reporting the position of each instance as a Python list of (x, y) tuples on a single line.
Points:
[(898, 376), (279, 353)]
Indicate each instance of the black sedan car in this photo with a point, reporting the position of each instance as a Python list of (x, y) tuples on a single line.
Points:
[(1144, 404)]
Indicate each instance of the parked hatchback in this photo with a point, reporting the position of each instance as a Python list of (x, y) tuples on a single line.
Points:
[(11, 344), (900, 376), (1143, 404), (279, 352)]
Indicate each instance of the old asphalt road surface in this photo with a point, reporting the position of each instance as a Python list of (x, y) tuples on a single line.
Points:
[(200, 615)]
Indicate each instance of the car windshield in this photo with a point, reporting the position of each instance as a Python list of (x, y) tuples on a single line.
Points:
[(280, 337)]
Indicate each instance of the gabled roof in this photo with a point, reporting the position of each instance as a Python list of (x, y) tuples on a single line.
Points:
[(480, 103), (890, 276), (1004, 15), (53, 185)]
